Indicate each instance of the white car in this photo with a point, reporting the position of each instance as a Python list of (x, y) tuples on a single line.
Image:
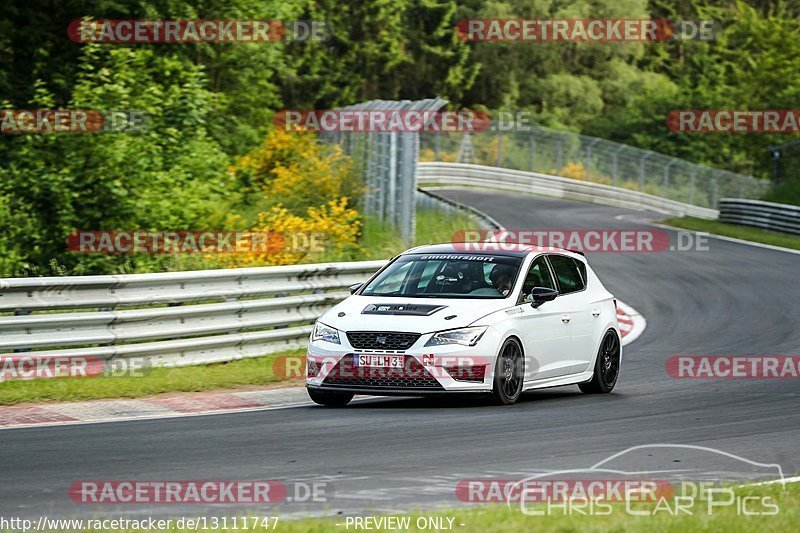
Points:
[(440, 320)]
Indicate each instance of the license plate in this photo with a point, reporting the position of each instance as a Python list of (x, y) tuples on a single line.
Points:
[(381, 361)]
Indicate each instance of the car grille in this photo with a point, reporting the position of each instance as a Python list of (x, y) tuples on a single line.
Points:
[(412, 376), (391, 340)]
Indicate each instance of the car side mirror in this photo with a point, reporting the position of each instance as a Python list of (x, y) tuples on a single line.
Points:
[(540, 295), (355, 287)]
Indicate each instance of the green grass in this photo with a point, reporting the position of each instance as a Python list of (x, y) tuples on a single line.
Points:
[(504, 519), (501, 518), (243, 372), (382, 241), (736, 231), (787, 192), (434, 227)]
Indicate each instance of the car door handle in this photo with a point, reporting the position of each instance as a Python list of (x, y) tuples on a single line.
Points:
[(565, 318), (595, 313)]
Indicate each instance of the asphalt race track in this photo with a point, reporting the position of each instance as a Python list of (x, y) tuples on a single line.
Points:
[(396, 454)]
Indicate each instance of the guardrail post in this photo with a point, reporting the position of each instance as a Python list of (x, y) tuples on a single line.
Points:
[(22, 312), (692, 177)]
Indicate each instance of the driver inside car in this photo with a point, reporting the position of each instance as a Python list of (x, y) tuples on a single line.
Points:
[(501, 278)]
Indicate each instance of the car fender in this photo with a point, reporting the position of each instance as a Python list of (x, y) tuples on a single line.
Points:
[(611, 325)]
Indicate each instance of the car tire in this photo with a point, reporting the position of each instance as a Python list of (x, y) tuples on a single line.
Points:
[(330, 398), (509, 373), (606, 366)]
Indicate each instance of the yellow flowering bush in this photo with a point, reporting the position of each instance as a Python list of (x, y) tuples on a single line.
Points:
[(281, 238), (445, 156), (575, 171), (304, 215), (427, 155), (293, 169)]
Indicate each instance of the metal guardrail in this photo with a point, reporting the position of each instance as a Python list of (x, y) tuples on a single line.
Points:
[(467, 175), (429, 200), (765, 215), (180, 318), (172, 319), (571, 155)]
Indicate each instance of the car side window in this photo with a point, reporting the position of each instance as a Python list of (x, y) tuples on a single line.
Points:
[(582, 268), (567, 273), (538, 276)]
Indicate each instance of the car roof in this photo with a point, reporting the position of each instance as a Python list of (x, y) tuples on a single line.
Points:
[(502, 248)]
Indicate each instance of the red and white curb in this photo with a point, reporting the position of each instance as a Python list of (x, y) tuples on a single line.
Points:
[(631, 325), (171, 406)]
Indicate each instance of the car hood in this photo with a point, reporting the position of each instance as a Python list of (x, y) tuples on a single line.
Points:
[(420, 315)]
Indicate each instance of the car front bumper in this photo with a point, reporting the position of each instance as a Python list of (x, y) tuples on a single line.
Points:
[(426, 370)]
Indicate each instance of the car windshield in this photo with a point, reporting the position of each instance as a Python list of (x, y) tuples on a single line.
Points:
[(446, 276)]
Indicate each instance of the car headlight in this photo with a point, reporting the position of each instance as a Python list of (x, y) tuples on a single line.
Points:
[(325, 333), (464, 336)]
